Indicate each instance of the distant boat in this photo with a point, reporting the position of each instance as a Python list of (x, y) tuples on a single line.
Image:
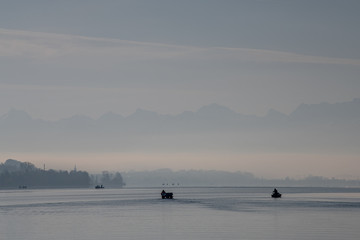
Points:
[(99, 186), (276, 194), (166, 195)]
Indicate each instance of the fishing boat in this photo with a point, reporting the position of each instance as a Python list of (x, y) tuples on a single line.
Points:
[(167, 195), (275, 194)]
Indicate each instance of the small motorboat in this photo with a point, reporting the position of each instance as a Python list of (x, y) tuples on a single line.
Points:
[(167, 195), (276, 194), (99, 187)]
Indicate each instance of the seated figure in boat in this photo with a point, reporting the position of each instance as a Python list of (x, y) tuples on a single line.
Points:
[(276, 194)]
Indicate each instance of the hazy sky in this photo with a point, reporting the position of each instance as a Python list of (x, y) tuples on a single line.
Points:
[(60, 58)]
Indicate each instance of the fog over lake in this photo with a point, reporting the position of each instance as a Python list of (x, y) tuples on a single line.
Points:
[(316, 139)]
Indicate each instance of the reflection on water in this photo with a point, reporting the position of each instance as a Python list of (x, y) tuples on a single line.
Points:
[(195, 213)]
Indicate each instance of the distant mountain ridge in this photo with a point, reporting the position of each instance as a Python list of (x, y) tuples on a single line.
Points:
[(308, 112), (211, 125), (327, 112)]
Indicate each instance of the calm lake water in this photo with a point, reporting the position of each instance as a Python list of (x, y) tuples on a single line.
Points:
[(195, 213)]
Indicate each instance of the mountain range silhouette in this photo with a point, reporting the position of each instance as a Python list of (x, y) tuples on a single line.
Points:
[(308, 127)]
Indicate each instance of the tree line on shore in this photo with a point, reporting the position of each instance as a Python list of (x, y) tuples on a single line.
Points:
[(16, 174)]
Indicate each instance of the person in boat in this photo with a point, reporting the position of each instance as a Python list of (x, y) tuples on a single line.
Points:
[(276, 194), (167, 195), (163, 194)]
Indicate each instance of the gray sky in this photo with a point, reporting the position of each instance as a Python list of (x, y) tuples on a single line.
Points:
[(60, 58)]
